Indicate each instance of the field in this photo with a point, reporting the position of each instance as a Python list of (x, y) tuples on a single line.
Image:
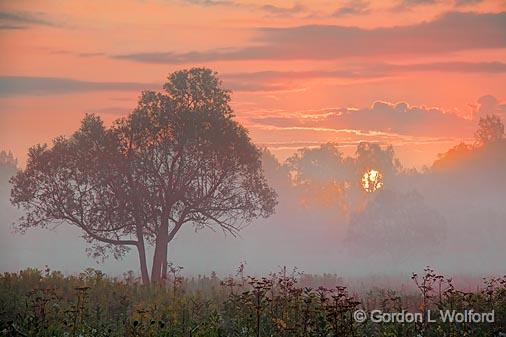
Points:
[(47, 303)]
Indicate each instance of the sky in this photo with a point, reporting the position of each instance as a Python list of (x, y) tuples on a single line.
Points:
[(416, 74)]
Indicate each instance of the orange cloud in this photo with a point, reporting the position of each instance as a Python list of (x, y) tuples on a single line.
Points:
[(452, 31)]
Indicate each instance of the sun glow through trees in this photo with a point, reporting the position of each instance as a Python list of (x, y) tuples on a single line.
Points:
[(372, 181)]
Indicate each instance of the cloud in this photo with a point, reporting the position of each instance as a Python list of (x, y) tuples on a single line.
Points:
[(286, 80), (11, 27), (76, 53), (22, 20), (418, 2), (409, 4), (462, 3), (241, 82), (384, 117), (282, 80), (451, 32), (91, 54), (245, 86), (461, 67), (273, 10), (26, 85), (283, 11), (208, 3), (352, 8)]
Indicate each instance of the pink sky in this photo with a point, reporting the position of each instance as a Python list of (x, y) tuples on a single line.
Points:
[(413, 73)]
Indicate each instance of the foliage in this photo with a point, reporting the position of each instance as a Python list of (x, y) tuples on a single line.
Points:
[(8, 167), (47, 303), (490, 129), (179, 158), (452, 157), (400, 224), (324, 176)]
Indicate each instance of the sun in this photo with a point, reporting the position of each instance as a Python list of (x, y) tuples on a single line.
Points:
[(372, 181)]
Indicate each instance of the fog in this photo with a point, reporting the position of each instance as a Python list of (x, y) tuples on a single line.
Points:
[(450, 216)]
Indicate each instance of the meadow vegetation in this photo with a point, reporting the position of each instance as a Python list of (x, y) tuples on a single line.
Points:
[(48, 303)]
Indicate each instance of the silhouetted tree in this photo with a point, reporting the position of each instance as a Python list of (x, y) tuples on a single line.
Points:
[(8, 167), (320, 174), (277, 174), (178, 158), (452, 157), (489, 143), (490, 129), (371, 156), (321, 164), (398, 223), (325, 177)]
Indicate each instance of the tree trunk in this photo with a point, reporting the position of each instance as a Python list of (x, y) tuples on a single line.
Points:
[(156, 267), (142, 260), (159, 256), (165, 247), (159, 270), (165, 261)]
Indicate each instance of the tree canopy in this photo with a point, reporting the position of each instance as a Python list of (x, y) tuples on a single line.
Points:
[(490, 129), (178, 158)]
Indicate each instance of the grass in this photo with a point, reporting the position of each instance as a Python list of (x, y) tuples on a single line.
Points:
[(48, 303)]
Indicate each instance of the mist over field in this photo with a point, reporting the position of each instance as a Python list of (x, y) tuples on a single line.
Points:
[(366, 113), (450, 216)]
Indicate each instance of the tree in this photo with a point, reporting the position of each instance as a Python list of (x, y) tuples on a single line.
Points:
[(179, 158), (318, 165), (399, 224), (453, 157), (372, 156), (8, 167), (320, 176), (490, 129)]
